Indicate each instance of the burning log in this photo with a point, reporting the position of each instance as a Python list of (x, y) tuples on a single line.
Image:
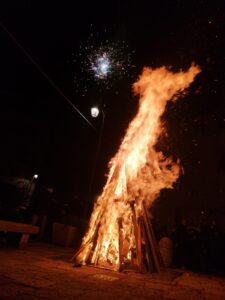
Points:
[(137, 232), (120, 240), (145, 256), (120, 234)]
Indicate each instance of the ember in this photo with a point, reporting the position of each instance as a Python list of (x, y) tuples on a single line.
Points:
[(120, 232)]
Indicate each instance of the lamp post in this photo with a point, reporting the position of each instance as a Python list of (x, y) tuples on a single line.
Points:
[(95, 112), (31, 187)]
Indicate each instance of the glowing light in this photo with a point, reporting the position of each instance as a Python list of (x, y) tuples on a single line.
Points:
[(94, 112), (35, 176), (101, 66)]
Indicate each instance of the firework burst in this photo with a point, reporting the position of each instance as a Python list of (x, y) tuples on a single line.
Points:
[(102, 64)]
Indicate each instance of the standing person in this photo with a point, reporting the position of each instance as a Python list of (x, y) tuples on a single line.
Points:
[(43, 204)]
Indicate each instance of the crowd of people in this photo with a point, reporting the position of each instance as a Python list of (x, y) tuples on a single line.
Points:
[(199, 247), (43, 208)]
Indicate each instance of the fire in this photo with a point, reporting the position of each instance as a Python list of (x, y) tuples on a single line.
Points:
[(137, 173)]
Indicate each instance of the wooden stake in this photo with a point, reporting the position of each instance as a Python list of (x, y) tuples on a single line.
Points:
[(93, 240), (137, 234), (150, 265), (120, 242), (152, 243)]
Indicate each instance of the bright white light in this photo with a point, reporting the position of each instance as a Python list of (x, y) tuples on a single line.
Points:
[(35, 176), (101, 66), (94, 112)]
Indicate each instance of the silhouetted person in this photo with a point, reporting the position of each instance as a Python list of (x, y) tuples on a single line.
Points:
[(42, 208), (10, 200), (11, 197)]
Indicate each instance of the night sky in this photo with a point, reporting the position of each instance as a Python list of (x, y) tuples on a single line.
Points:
[(40, 132)]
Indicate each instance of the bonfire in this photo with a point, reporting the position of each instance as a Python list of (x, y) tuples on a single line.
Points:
[(120, 234)]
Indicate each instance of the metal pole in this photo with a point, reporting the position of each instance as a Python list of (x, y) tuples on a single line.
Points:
[(94, 164)]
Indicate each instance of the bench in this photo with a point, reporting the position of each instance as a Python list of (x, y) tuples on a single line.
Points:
[(25, 229)]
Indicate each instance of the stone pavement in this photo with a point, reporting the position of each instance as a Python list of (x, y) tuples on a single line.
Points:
[(44, 271)]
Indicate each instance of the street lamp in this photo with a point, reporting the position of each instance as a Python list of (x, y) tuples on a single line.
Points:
[(31, 188), (95, 112)]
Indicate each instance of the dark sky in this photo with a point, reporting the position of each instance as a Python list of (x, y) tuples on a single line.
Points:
[(41, 133)]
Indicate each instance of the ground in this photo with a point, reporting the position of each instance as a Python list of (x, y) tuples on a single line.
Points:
[(45, 271)]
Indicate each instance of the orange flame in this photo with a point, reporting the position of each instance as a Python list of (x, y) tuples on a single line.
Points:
[(137, 172)]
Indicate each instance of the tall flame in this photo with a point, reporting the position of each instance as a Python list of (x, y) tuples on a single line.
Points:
[(137, 172)]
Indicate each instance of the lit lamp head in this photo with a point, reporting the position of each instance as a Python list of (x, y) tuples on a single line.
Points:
[(35, 176), (94, 112)]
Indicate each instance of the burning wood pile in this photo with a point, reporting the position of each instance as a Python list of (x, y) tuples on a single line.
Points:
[(143, 257), (120, 234)]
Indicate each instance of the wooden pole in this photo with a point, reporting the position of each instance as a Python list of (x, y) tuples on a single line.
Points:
[(120, 242), (137, 234), (149, 233), (150, 265)]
